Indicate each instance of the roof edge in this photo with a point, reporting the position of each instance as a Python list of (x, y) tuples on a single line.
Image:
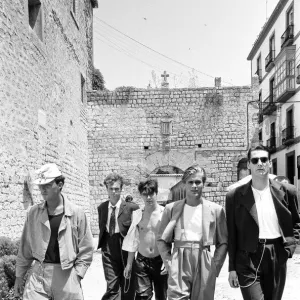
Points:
[(267, 27)]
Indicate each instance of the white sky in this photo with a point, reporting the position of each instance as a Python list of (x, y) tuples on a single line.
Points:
[(212, 36)]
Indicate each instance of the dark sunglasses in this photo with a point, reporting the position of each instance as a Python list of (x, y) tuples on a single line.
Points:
[(255, 160), (197, 182)]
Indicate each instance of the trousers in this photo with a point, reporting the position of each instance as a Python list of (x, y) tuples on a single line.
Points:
[(49, 281), (192, 273), (271, 274), (147, 275), (114, 260)]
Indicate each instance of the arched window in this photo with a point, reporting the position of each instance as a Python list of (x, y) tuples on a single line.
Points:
[(242, 170)]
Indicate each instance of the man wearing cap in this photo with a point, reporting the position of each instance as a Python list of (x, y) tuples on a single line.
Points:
[(114, 221), (56, 242)]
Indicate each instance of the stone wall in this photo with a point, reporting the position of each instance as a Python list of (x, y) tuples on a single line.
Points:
[(43, 118), (210, 126)]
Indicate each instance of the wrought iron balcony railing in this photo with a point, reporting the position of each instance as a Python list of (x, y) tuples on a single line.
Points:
[(288, 135), (288, 36), (269, 60)]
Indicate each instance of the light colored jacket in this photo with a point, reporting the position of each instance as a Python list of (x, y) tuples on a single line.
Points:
[(214, 230), (132, 239), (75, 239)]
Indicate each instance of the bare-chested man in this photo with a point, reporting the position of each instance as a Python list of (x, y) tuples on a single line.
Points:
[(141, 237)]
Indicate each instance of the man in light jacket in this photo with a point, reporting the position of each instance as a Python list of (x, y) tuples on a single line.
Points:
[(193, 225), (56, 241)]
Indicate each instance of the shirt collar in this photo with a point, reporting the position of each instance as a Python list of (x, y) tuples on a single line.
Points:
[(117, 204)]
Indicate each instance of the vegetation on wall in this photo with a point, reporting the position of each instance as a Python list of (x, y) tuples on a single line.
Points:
[(98, 80)]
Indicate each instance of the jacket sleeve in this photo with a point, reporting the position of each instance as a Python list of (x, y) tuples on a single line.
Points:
[(221, 239), (24, 257), (164, 247), (232, 234), (85, 245)]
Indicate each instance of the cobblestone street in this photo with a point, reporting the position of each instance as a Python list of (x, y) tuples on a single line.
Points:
[(94, 284)]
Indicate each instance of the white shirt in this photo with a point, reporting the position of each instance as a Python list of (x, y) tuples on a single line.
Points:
[(192, 217), (267, 217), (116, 215)]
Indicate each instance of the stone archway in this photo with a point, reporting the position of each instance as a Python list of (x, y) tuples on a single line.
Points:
[(242, 169)]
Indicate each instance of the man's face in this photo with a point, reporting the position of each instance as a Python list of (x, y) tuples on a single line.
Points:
[(50, 190), (149, 199), (114, 191), (259, 163), (194, 185)]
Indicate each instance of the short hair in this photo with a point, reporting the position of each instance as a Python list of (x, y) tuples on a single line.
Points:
[(193, 170), (281, 178), (59, 179), (259, 147), (149, 186), (113, 177), (128, 198)]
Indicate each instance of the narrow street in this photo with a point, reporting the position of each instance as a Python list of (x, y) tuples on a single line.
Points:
[(94, 284)]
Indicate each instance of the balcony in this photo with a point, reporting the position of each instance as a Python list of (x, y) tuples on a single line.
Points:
[(260, 118), (288, 136), (268, 106), (287, 38), (259, 74), (271, 144), (269, 61)]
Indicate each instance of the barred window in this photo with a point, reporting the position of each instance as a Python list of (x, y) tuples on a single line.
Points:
[(166, 127)]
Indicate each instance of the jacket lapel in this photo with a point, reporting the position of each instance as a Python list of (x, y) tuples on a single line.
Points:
[(248, 201), (104, 214)]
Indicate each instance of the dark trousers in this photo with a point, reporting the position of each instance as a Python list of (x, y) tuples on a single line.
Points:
[(147, 275), (114, 262), (271, 274)]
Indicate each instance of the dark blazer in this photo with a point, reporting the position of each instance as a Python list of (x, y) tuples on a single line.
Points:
[(242, 219), (124, 218)]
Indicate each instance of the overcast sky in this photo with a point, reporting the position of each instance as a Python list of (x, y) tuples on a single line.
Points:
[(213, 37)]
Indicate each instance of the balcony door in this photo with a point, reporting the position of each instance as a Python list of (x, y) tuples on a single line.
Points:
[(272, 85), (290, 17), (272, 47), (272, 129), (289, 118), (290, 166)]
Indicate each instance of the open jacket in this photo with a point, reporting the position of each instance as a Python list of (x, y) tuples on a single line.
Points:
[(74, 238), (242, 219), (214, 230)]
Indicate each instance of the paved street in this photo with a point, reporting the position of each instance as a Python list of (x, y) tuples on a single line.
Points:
[(94, 284)]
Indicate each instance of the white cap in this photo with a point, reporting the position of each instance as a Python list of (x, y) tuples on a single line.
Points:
[(47, 173)]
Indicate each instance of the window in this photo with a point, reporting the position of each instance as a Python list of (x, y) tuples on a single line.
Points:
[(290, 166), (274, 166), (258, 68), (166, 127), (298, 74), (272, 90), (74, 6), (82, 89), (260, 136), (290, 17), (35, 17)]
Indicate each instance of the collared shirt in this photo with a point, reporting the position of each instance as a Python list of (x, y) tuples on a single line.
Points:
[(267, 216), (75, 239), (110, 206), (131, 241)]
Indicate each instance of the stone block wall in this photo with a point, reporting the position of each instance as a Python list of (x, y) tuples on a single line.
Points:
[(210, 126), (43, 103)]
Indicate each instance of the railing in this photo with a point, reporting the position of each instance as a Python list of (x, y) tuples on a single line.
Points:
[(268, 106), (271, 142), (269, 59), (259, 74), (287, 135), (287, 35)]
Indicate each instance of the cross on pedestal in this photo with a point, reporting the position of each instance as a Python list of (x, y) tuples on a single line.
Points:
[(165, 83)]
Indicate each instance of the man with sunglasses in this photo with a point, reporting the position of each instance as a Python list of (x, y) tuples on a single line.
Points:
[(192, 225), (263, 229)]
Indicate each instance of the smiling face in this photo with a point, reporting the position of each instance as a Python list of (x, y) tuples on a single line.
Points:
[(194, 185), (259, 164), (50, 190)]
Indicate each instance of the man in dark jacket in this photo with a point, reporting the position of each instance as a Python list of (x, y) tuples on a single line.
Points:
[(263, 230), (114, 222)]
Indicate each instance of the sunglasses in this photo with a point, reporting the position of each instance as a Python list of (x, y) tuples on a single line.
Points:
[(255, 160), (197, 182)]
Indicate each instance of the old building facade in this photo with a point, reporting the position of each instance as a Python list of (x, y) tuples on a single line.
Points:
[(160, 132), (46, 60), (275, 59)]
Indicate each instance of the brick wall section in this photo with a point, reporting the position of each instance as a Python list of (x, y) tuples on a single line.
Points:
[(124, 121), (42, 116)]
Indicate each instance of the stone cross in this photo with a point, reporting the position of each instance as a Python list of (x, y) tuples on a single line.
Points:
[(165, 83)]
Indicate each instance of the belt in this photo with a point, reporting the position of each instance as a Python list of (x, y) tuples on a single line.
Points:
[(270, 241), (192, 245), (158, 257)]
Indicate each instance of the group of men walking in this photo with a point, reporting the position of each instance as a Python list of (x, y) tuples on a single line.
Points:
[(163, 250)]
